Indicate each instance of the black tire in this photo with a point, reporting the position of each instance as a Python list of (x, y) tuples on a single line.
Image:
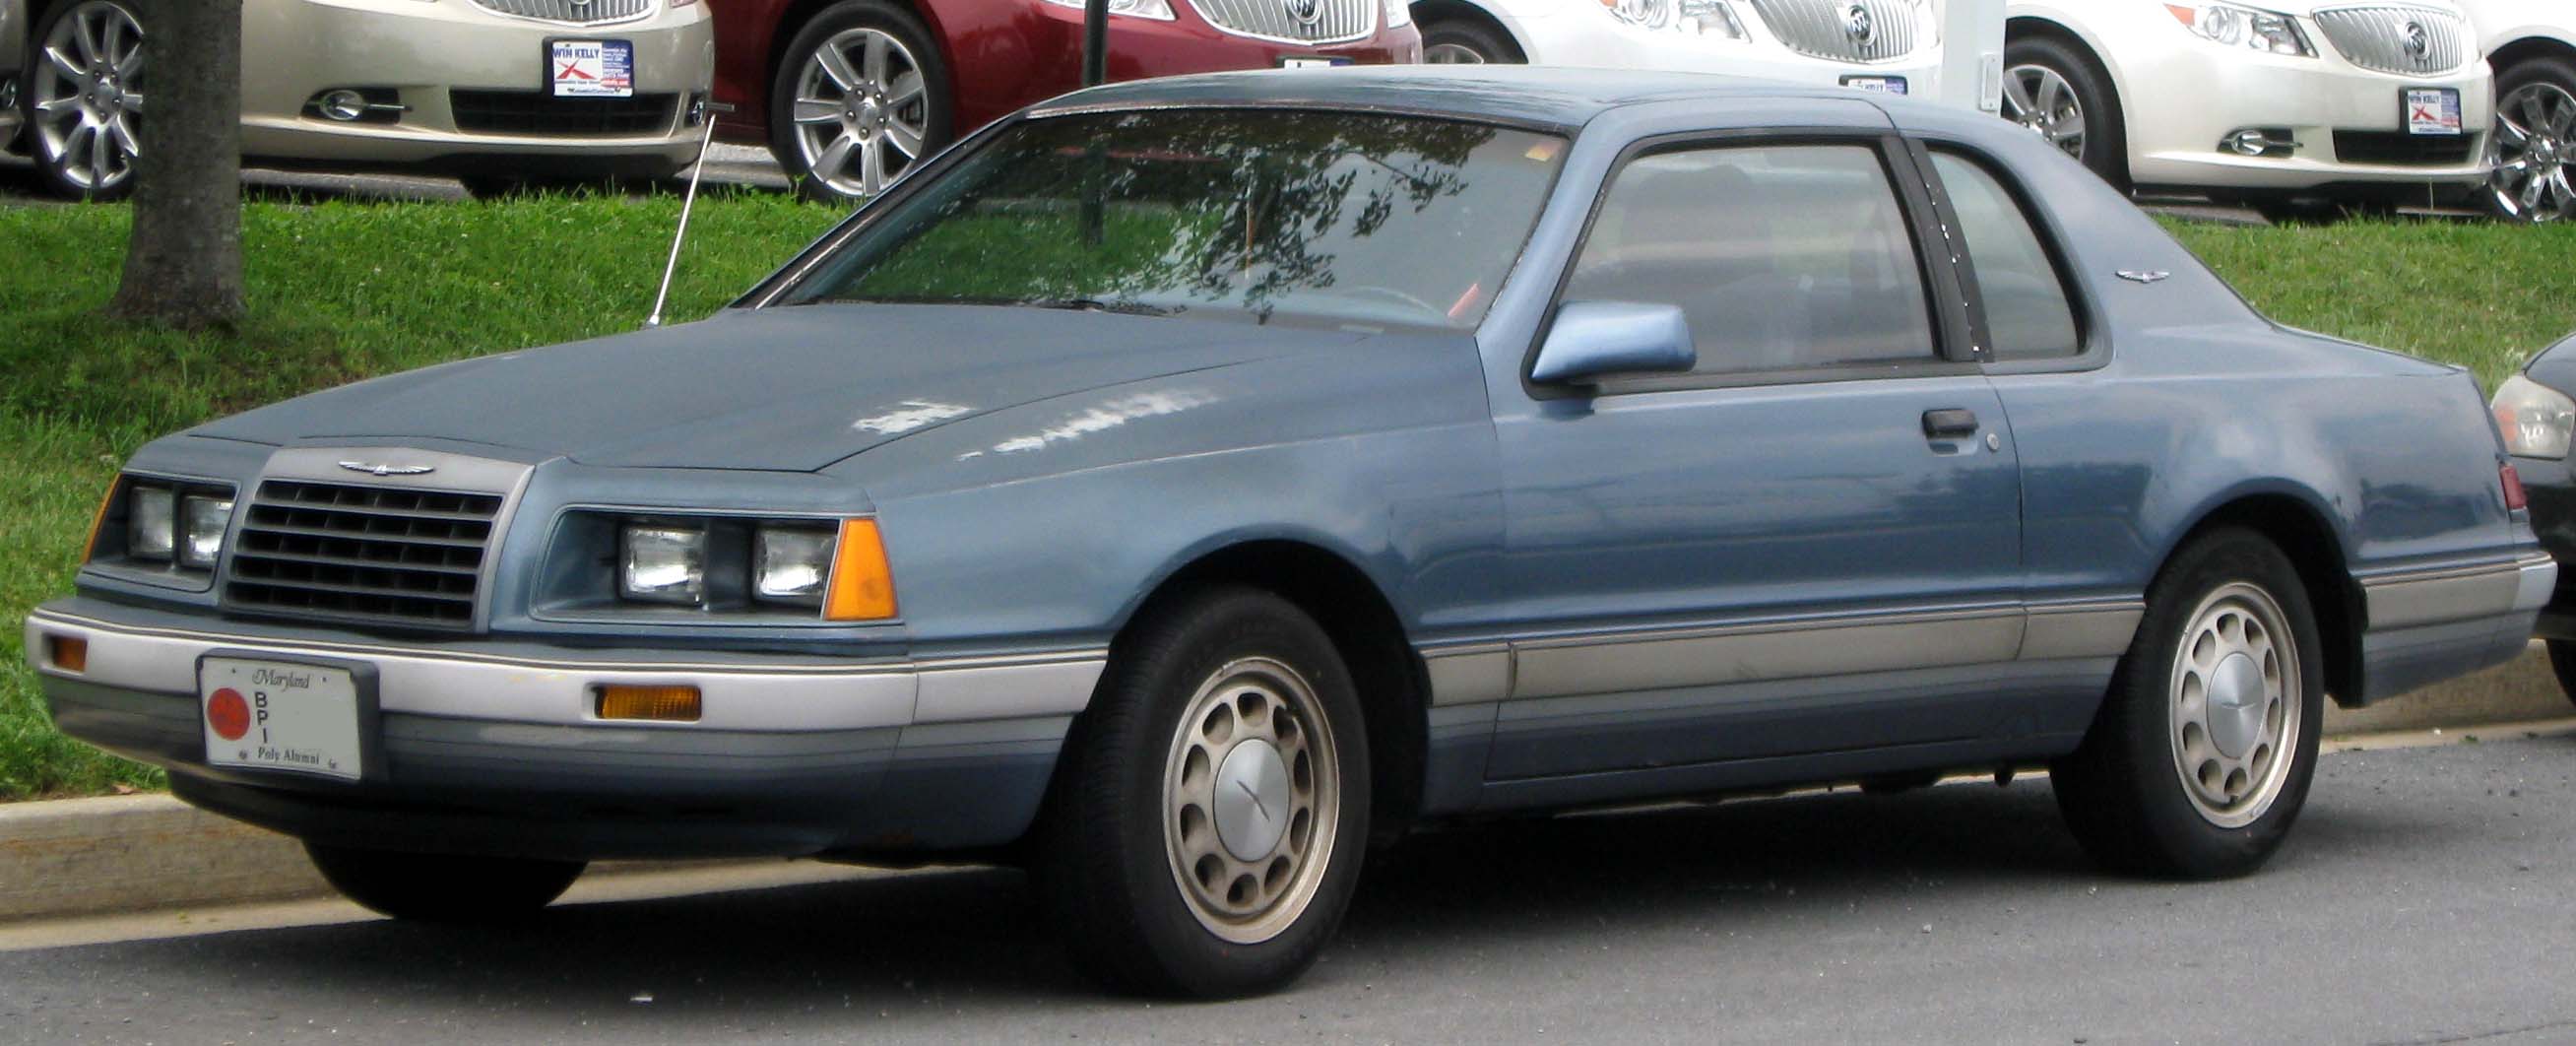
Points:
[(443, 887), (53, 172), (1467, 37), (935, 116), (2562, 663), (2123, 791), (2106, 138), (1109, 872), (2554, 80)]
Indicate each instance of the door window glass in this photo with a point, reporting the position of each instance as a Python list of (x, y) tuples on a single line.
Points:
[(2027, 315)]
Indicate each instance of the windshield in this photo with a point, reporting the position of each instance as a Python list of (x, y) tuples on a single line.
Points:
[(1341, 218)]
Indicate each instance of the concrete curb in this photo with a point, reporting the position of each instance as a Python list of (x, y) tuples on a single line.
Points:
[(72, 857)]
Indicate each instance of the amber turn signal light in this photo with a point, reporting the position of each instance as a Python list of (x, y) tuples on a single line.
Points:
[(67, 653), (862, 584), (660, 704)]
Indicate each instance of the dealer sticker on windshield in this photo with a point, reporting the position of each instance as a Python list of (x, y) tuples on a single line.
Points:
[(280, 715), (2433, 110), (592, 68)]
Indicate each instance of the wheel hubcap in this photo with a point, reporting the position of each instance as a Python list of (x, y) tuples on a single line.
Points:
[(1451, 54), (2043, 103), (2236, 705), (88, 97), (861, 112), (1251, 799), (2535, 129)]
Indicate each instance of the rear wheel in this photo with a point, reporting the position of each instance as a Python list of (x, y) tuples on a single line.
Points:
[(1459, 41), (443, 887), (2201, 755), (2535, 133), (2057, 93), (859, 98), (84, 99), (1207, 825)]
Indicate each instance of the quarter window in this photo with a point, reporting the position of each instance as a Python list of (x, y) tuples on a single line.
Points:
[(2027, 314), (1783, 257)]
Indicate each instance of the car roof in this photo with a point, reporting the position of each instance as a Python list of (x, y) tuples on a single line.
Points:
[(1545, 96)]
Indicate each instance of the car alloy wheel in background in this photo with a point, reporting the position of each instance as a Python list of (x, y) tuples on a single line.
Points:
[(1459, 41), (2535, 130), (85, 100), (859, 99), (2057, 91), (2039, 99)]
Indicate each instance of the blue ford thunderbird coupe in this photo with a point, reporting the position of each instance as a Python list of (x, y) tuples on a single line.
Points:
[(1182, 486)]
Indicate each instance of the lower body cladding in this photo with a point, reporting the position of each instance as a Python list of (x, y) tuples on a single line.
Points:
[(2431, 624), (493, 752)]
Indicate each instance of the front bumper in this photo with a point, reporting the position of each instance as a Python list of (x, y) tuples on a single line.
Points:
[(424, 53), (2182, 102), (494, 746)]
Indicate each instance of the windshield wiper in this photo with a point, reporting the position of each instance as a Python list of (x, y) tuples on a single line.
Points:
[(1125, 308)]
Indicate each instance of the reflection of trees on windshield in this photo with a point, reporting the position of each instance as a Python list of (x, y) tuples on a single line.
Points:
[(1368, 217)]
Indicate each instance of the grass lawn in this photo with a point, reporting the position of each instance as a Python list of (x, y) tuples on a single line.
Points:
[(341, 291)]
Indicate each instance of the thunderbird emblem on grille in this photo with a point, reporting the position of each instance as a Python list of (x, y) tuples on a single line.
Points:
[(1857, 24), (374, 468), (2419, 43), (1306, 12)]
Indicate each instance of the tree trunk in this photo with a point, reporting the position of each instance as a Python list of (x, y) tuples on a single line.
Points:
[(183, 264)]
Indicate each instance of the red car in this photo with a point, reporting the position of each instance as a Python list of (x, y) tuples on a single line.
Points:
[(853, 92)]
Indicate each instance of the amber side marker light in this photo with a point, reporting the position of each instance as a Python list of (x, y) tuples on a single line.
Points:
[(862, 586), (98, 520), (67, 653), (661, 704)]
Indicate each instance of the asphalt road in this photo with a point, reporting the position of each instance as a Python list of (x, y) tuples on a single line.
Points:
[(2425, 897)]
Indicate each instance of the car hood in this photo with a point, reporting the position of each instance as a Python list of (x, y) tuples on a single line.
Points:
[(778, 388)]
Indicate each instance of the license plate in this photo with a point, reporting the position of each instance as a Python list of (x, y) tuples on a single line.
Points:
[(1311, 62), (280, 715), (591, 68), (1879, 84), (2432, 110)]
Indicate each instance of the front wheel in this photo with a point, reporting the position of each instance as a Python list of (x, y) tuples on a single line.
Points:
[(2201, 755), (860, 96), (2535, 130), (2059, 94), (84, 99), (443, 887), (1207, 825)]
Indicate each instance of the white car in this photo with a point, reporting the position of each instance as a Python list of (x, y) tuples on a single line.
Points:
[(2532, 45), (2351, 104), (1950, 50), (495, 91)]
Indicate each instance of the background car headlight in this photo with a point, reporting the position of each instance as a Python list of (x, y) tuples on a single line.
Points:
[(1695, 17), (1158, 10), (791, 564), (151, 518), (2248, 27), (663, 564), (201, 536), (2536, 420), (1399, 12)]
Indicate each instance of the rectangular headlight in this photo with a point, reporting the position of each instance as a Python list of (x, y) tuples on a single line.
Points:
[(202, 521), (151, 530), (791, 564), (663, 564)]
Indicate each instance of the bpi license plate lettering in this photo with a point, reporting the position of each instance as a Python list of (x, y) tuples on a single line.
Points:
[(592, 68), (2433, 110), (276, 715)]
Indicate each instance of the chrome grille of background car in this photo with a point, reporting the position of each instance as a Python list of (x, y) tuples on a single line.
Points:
[(362, 553), (576, 12), (1333, 20), (1831, 29), (2378, 38)]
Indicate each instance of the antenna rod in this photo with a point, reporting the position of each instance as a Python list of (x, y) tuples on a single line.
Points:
[(704, 111), (1095, 42)]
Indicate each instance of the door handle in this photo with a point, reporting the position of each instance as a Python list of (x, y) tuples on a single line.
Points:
[(1949, 423)]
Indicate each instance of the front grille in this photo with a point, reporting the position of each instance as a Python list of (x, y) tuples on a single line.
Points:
[(1842, 30), (336, 550), (2399, 149), (1292, 21), (536, 112), (2407, 41), (569, 12)]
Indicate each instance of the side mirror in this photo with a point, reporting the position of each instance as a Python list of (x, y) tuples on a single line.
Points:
[(1593, 339)]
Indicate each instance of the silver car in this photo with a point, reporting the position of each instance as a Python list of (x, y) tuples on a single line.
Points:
[(498, 92)]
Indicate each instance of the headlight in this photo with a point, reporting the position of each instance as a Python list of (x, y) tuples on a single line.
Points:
[(663, 564), (151, 516), (2248, 27), (791, 564), (1158, 10), (1399, 12), (201, 536), (1690, 17), (2536, 420)]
